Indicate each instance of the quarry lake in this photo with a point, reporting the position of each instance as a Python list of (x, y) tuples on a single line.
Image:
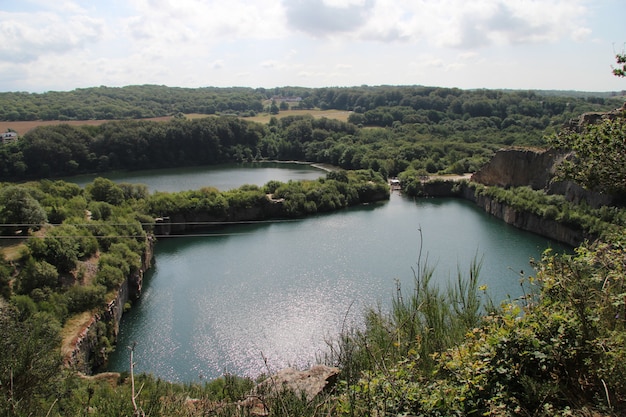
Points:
[(255, 298)]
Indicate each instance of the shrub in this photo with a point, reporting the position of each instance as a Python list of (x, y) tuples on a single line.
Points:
[(85, 297)]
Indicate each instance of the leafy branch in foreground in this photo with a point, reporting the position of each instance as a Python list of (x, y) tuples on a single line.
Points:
[(599, 151), (560, 351), (621, 60), (30, 361)]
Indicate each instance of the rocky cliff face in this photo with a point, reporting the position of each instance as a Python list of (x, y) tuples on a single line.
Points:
[(188, 222), (88, 354), (531, 222), (535, 168), (519, 167), (516, 168), (578, 124)]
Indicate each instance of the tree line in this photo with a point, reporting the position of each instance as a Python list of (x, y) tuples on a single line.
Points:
[(144, 101), (426, 141)]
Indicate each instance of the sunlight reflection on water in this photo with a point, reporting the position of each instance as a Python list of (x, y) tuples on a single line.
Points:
[(279, 291)]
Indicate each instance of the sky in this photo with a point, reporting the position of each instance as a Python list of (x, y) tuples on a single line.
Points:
[(62, 45)]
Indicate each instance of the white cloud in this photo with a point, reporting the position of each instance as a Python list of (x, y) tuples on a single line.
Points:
[(26, 37), (458, 23), (344, 3), (272, 64), (205, 21), (319, 18), (64, 44), (218, 64)]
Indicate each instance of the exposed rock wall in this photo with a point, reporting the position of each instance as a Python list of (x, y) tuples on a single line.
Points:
[(535, 168), (530, 221), (87, 353), (268, 208), (585, 119), (519, 167), (188, 222), (523, 220)]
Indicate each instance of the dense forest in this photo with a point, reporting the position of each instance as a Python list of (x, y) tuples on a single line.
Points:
[(389, 130), (144, 101), (559, 350)]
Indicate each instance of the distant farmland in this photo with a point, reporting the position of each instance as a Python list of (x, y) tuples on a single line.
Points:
[(21, 127)]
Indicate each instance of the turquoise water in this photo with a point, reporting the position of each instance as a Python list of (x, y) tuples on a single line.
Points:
[(252, 299)]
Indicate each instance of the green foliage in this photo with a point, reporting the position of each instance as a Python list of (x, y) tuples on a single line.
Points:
[(599, 152), (60, 251), (559, 349), (621, 61), (5, 279), (138, 101), (100, 210), (379, 361), (29, 364), (25, 306), (208, 201), (336, 191), (245, 197), (85, 297), (118, 263), (52, 303), (105, 190), (37, 274), (291, 199), (435, 129), (120, 229), (109, 276), (600, 223), (134, 191), (19, 210)]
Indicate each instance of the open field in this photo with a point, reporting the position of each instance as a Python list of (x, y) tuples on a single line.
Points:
[(21, 127), (341, 115)]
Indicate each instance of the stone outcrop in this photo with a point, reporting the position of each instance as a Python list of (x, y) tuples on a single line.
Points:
[(585, 119), (519, 167), (536, 168), (309, 383)]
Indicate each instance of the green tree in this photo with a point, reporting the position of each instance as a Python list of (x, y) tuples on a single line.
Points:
[(103, 189), (61, 251), (85, 297), (20, 211), (274, 109), (599, 154), (37, 274)]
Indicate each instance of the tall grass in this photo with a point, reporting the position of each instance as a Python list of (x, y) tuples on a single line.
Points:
[(429, 320)]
